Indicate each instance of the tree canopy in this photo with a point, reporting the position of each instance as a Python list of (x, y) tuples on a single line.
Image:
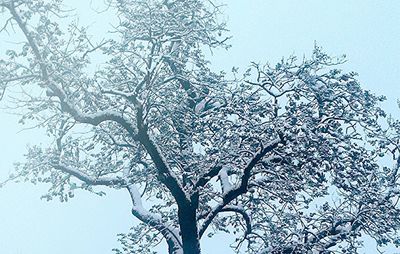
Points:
[(288, 158)]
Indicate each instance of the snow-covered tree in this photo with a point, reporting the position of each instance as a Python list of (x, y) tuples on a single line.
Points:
[(288, 158)]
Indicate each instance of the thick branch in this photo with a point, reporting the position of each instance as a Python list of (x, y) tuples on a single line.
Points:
[(170, 234), (165, 173), (242, 188), (204, 179), (185, 84)]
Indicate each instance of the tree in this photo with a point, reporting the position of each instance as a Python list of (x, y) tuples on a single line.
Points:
[(288, 157)]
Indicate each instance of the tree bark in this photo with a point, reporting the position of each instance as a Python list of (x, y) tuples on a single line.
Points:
[(189, 231)]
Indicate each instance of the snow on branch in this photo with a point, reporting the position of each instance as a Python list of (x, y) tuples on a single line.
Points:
[(330, 236), (226, 185), (205, 178), (171, 234), (244, 183), (240, 210), (165, 173), (90, 180), (66, 105), (235, 191)]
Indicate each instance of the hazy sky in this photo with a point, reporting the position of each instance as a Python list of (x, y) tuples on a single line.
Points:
[(367, 31)]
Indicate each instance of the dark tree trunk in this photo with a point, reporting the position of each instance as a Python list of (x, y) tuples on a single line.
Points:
[(188, 226), (171, 247)]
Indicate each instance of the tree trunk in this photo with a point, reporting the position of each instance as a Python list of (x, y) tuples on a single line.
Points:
[(189, 232)]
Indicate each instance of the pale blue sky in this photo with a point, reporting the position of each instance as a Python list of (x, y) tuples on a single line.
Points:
[(367, 31)]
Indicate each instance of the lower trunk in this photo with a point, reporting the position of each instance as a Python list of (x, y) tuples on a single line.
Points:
[(188, 226)]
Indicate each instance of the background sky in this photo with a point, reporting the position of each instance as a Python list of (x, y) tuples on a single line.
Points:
[(367, 31)]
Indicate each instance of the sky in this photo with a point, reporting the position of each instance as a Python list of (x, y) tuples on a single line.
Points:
[(367, 31)]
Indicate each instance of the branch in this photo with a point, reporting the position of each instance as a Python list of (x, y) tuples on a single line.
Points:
[(165, 173), (90, 180), (7, 80), (336, 232), (170, 234), (242, 188), (241, 211), (204, 179), (67, 106), (392, 180), (185, 84)]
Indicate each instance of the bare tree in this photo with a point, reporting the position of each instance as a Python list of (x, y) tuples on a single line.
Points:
[(288, 158)]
